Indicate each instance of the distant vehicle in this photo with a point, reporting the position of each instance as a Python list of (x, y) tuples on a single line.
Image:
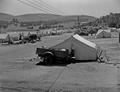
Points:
[(83, 33), (32, 38), (30, 27)]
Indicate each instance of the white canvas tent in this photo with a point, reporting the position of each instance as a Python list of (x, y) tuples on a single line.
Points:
[(3, 37), (14, 36), (83, 49), (25, 34), (103, 34), (114, 34)]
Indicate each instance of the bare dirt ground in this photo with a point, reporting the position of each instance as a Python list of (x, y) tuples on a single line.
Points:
[(18, 74)]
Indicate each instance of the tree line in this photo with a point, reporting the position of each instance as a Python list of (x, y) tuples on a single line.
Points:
[(111, 20)]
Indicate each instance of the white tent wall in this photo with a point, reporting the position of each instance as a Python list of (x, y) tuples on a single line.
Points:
[(82, 51)]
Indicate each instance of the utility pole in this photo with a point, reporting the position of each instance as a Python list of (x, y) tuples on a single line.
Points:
[(78, 22), (77, 25), (119, 37), (0, 29), (78, 19)]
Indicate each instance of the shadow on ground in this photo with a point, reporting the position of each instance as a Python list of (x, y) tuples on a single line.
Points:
[(64, 63)]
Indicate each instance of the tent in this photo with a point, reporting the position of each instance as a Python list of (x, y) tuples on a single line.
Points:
[(3, 37), (114, 34), (83, 49), (25, 34), (14, 36), (103, 34)]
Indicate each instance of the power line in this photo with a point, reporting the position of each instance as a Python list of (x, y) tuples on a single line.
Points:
[(45, 5), (33, 6), (48, 6), (40, 6)]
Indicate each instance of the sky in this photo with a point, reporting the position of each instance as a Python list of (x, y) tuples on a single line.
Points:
[(95, 8)]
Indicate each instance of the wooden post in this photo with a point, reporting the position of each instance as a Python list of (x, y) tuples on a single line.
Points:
[(79, 24), (119, 37)]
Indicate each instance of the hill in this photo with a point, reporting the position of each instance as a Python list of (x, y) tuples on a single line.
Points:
[(51, 17), (6, 17), (44, 17), (48, 19), (38, 17)]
